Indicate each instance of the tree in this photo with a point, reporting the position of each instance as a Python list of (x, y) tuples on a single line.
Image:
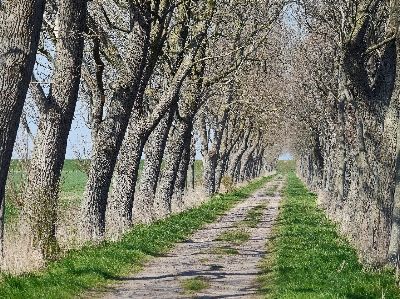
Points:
[(110, 130), (20, 23), (56, 115)]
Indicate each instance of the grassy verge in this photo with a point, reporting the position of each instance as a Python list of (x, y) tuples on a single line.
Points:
[(310, 260), (98, 266)]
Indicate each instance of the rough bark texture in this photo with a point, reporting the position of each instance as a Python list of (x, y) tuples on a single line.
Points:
[(56, 115), (165, 190), (181, 66), (351, 158), (112, 129), (143, 205), (182, 173), (20, 24)]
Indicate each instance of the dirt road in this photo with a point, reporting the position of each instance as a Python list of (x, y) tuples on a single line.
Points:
[(226, 267)]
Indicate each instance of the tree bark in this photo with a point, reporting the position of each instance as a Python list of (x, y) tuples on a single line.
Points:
[(162, 203), (112, 129), (182, 173), (143, 204), (20, 24), (235, 160), (191, 170), (183, 66), (57, 112)]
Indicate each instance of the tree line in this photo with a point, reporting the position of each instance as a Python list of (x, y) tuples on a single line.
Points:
[(154, 77), (345, 74)]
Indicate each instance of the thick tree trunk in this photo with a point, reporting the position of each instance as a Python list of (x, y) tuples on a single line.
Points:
[(120, 209), (143, 204), (235, 160), (394, 245), (165, 190), (246, 157), (393, 121), (168, 99), (124, 176), (112, 129), (211, 162), (57, 112), (20, 24)]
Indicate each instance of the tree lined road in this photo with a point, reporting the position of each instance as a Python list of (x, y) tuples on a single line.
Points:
[(228, 275)]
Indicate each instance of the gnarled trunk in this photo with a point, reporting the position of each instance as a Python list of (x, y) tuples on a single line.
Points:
[(111, 131), (20, 24), (56, 115), (143, 204), (165, 190)]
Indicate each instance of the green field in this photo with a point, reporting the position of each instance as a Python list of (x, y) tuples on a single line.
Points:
[(73, 182)]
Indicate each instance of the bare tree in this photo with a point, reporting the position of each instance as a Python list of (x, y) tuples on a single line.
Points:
[(20, 23), (110, 130), (56, 115)]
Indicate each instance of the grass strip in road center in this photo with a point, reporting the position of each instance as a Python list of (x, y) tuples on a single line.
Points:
[(94, 267), (309, 259)]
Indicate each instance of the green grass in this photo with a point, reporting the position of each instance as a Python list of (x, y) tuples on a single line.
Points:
[(253, 217), (221, 250), (310, 260), (195, 284), (237, 236), (285, 166), (271, 190), (73, 183), (95, 267)]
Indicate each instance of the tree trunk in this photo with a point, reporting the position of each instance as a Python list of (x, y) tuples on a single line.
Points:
[(235, 160), (112, 129), (191, 170), (143, 204), (165, 190), (124, 178), (168, 99), (214, 153), (394, 245), (182, 173), (20, 24), (57, 112)]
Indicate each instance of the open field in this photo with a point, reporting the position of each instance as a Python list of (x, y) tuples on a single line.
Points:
[(286, 166), (73, 182)]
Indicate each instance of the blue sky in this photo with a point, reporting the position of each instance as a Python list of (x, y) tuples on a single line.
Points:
[(286, 156)]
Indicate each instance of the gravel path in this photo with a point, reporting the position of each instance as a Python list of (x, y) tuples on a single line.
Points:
[(228, 275)]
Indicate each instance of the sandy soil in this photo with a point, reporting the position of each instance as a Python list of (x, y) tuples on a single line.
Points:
[(228, 275)]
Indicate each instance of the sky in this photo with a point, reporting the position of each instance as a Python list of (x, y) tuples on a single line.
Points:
[(286, 156)]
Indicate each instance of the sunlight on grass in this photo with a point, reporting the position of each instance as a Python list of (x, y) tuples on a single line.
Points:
[(94, 267), (235, 236), (193, 285), (308, 259)]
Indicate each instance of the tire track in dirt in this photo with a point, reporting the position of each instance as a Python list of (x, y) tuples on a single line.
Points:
[(228, 275)]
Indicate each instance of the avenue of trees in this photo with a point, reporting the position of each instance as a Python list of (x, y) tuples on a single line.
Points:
[(156, 78), (237, 81), (345, 73)]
